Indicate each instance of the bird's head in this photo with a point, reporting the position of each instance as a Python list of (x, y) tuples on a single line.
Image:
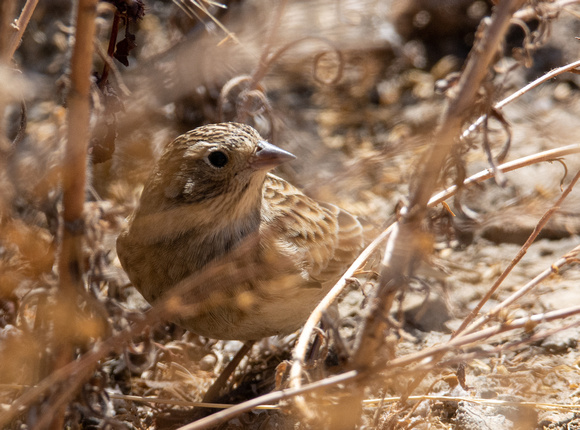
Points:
[(217, 167)]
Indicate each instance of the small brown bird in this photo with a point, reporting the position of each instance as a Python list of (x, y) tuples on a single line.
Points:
[(209, 192)]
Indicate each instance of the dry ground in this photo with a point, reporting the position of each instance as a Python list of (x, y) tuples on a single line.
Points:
[(358, 142)]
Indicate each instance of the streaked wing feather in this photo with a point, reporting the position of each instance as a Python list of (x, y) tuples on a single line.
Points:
[(327, 237), (350, 242)]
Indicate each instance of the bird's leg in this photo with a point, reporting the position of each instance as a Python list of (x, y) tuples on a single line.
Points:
[(212, 394), (328, 324), (314, 355), (341, 349)]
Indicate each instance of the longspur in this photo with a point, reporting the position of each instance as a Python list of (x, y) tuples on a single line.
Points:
[(210, 193)]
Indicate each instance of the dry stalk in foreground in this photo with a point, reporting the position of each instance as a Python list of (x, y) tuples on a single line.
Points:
[(541, 224), (299, 354), (544, 156), (392, 276), (369, 402), (70, 267), (404, 242), (566, 259), (65, 381), (20, 26), (423, 359), (7, 8), (545, 78)]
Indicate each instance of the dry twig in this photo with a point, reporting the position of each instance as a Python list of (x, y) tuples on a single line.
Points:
[(20, 26), (499, 105), (404, 242), (74, 183), (521, 253), (394, 366), (315, 317)]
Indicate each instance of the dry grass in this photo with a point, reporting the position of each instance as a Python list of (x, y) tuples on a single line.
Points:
[(440, 328)]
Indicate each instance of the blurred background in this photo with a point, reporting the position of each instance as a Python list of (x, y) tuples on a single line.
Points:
[(354, 89)]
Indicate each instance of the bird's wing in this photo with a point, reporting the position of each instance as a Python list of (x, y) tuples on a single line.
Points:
[(322, 236), (350, 242)]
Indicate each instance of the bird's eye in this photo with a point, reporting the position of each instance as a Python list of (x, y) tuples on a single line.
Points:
[(217, 159)]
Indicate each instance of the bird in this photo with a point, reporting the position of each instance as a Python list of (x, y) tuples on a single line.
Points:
[(211, 193)]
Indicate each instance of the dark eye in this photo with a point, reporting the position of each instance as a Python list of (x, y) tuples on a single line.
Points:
[(217, 159)]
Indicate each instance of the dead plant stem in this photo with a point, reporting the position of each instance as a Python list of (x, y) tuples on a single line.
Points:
[(519, 293), (111, 49), (21, 25), (299, 353), (405, 241), (70, 265), (549, 155), (498, 106), (521, 253), (7, 8), (392, 366)]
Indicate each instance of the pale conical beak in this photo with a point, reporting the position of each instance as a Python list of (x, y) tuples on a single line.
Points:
[(269, 156)]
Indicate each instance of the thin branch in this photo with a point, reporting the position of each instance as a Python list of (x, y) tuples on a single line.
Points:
[(521, 253), (276, 396), (498, 106), (478, 336), (393, 366), (178, 402), (113, 68), (111, 49), (549, 155), (556, 6), (190, 11), (406, 241), (213, 392), (70, 265), (299, 353), (554, 268), (479, 401), (21, 25)]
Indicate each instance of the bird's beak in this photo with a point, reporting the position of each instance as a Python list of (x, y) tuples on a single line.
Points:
[(269, 156)]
